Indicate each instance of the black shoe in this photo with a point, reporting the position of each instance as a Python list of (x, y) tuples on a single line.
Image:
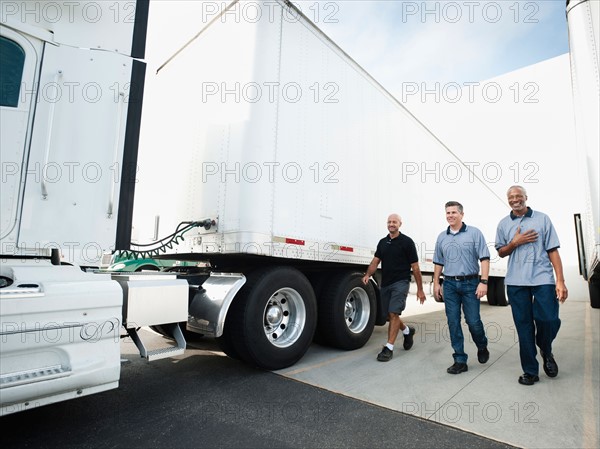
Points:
[(408, 339), (550, 366), (457, 368), (385, 355), (528, 379), (483, 355)]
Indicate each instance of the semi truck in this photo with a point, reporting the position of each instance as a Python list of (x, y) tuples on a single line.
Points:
[(71, 90), (279, 157), (583, 19)]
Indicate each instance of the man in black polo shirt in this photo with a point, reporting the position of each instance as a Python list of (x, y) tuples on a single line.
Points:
[(398, 256)]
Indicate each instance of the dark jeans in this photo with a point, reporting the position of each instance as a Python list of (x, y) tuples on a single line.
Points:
[(535, 313), (457, 294)]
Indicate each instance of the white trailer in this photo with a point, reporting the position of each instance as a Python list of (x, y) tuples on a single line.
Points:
[(583, 18), (264, 127), (278, 157)]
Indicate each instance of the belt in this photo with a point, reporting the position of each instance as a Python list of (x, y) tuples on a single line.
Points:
[(462, 278)]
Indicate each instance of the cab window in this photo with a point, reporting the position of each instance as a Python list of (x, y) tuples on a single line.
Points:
[(12, 60)]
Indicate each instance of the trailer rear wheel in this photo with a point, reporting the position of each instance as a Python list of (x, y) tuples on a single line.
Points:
[(347, 311), (594, 289), (273, 318), (318, 282), (491, 293), (500, 292), (496, 295)]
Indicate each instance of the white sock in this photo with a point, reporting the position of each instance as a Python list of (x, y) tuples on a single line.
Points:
[(406, 330), (390, 346)]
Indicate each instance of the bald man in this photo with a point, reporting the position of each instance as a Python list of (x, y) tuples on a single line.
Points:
[(398, 257)]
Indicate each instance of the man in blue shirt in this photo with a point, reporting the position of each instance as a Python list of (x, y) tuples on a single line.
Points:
[(458, 251), (530, 240), (398, 257)]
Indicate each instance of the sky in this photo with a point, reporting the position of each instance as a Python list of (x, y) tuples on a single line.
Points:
[(442, 41), (420, 40)]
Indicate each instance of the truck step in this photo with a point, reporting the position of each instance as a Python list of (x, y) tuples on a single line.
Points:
[(34, 375), (173, 330), (164, 353)]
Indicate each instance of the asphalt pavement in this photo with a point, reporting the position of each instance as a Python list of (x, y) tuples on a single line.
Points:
[(206, 400)]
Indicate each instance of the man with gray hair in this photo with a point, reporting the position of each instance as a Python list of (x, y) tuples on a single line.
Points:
[(529, 239), (458, 252)]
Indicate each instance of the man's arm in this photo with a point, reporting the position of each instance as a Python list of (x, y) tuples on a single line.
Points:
[(437, 288), (561, 288), (485, 271), (419, 280), (371, 269)]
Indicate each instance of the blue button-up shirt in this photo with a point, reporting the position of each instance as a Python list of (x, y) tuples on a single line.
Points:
[(529, 264)]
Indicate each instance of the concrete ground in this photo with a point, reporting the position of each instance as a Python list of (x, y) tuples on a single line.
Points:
[(562, 412)]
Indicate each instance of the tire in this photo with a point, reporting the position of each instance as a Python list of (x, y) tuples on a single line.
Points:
[(492, 299), (318, 282), (500, 292), (272, 320), (347, 310), (225, 342), (594, 289)]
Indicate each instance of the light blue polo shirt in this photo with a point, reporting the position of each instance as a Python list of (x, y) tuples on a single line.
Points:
[(460, 253), (529, 264)]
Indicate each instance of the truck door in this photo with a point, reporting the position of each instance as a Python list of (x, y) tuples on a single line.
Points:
[(66, 143), (19, 59)]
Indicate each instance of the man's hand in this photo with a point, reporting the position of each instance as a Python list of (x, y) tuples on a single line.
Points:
[(421, 296), (527, 237), (561, 291), (437, 291), (481, 290)]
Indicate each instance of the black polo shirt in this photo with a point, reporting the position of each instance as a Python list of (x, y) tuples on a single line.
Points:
[(397, 255)]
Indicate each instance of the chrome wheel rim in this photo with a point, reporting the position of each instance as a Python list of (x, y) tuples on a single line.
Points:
[(284, 317), (357, 310)]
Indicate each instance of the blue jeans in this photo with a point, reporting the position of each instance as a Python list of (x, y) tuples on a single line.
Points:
[(535, 313), (457, 294)]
